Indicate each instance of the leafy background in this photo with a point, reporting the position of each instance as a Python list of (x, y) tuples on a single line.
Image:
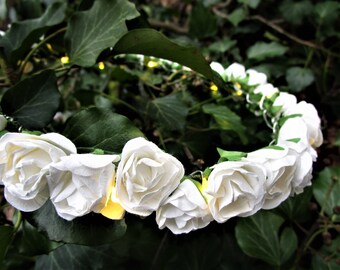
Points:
[(296, 43)]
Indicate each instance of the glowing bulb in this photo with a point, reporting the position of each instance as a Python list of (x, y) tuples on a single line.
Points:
[(213, 88), (152, 64), (239, 93), (101, 65), (65, 60)]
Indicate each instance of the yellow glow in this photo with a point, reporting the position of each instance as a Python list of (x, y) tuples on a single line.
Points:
[(213, 88), (48, 45), (311, 141), (239, 93), (204, 183), (112, 208), (237, 85), (152, 64), (65, 59), (101, 65)]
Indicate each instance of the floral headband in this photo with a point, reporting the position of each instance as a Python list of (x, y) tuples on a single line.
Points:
[(144, 179)]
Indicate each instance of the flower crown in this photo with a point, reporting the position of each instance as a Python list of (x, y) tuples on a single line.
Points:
[(144, 179)]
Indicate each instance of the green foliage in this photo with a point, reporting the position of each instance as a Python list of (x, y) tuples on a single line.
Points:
[(299, 78), (6, 235), (21, 36), (89, 230), (100, 128), (153, 43), (258, 236), (26, 101), (202, 22), (326, 189), (90, 32), (262, 50)]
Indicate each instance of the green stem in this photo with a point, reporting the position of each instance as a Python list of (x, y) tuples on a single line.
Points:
[(28, 56)]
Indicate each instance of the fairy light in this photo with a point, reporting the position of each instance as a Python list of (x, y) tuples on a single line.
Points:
[(101, 65), (152, 64), (65, 60), (213, 88)]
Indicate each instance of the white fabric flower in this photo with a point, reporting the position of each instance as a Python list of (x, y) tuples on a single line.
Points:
[(256, 78), (235, 72), (236, 189), (185, 210), (285, 101), (280, 165), (311, 121), (146, 176), (3, 122), (79, 182), (266, 90), (24, 162), (219, 69)]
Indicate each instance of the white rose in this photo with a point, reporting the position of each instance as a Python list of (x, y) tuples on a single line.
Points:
[(235, 72), (3, 122), (219, 69), (185, 210), (284, 101), (236, 189), (255, 77), (280, 165), (24, 162), (266, 90), (146, 176), (310, 118), (79, 182)]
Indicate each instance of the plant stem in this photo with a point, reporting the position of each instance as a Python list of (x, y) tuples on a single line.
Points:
[(28, 56)]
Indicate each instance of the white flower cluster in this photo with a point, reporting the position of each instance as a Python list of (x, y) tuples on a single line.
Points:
[(144, 179)]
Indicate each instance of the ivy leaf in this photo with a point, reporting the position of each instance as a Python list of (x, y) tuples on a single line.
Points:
[(299, 78), (295, 12), (91, 229), (326, 189), (90, 32), (296, 208), (34, 101), (100, 128), (262, 50), (153, 43), (6, 234), (237, 16), (21, 36), (250, 3), (33, 242), (264, 228), (70, 256), (169, 112), (226, 119), (202, 22), (327, 12)]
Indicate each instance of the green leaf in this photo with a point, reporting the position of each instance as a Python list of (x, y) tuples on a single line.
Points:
[(34, 101), (92, 229), (296, 208), (258, 236), (21, 36), (222, 46), (202, 23), (296, 12), (326, 189), (262, 50), (90, 32), (100, 128), (226, 119), (72, 256), (34, 243), (231, 155), (327, 12), (153, 43), (250, 3), (237, 16), (299, 78), (6, 234), (170, 112)]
